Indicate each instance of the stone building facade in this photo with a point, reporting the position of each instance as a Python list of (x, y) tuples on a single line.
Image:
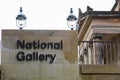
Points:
[(98, 57), (99, 43)]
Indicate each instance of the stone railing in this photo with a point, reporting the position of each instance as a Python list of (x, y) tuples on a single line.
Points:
[(99, 52)]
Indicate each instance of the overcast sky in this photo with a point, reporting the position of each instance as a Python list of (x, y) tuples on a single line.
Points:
[(46, 14)]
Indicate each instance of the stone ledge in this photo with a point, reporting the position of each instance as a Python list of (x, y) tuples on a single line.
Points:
[(99, 69)]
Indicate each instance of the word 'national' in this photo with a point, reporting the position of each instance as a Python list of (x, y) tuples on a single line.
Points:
[(22, 44)]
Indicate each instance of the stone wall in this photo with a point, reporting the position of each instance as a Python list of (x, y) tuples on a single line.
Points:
[(19, 67)]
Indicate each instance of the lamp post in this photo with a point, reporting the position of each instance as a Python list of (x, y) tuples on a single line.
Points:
[(71, 20), (21, 19)]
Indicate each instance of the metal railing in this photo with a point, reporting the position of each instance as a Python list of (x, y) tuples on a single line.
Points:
[(99, 52)]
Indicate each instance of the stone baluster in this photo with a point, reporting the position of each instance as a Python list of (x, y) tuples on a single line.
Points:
[(97, 49)]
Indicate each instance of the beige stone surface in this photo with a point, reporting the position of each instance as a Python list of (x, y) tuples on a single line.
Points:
[(64, 67), (9, 38), (105, 69)]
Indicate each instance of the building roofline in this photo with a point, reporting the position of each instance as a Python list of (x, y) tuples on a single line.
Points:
[(115, 5), (101, 14), (86, 18)]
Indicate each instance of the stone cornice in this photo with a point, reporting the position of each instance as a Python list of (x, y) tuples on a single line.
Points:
[(101, 14)]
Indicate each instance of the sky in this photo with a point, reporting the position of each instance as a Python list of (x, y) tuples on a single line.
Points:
[(46, 14)]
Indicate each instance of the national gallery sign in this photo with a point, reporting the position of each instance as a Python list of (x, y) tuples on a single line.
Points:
[(39, 54), (34, 56)]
